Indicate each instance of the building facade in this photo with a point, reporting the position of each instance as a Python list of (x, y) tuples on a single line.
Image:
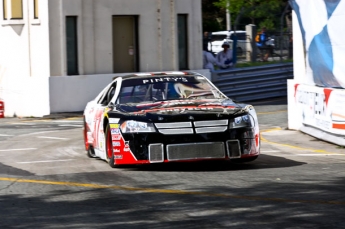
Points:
[(56, 55)]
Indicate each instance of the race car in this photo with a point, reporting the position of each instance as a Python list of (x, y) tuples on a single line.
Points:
[(164, 117)]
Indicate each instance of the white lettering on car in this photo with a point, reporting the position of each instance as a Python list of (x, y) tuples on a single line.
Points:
[(166, 79)]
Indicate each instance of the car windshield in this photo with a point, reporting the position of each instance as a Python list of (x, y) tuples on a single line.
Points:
[(166, 87)]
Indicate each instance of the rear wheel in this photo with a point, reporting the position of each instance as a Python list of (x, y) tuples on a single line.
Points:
[(85, 136), (109, 148), (91, 152)]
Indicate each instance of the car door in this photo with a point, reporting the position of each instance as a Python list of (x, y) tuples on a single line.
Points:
[(100, 109)]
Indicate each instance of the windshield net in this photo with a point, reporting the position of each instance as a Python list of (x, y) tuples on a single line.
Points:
[(167, 88)]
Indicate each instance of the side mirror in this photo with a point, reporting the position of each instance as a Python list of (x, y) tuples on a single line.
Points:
[(111, 105)]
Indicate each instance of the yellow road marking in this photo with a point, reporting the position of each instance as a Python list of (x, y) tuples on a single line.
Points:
[(292, 146), (170, 191)]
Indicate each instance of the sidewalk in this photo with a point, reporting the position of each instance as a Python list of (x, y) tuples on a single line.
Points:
[(63, 115)]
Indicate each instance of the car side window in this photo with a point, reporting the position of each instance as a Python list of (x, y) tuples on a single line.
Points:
[(108, 95)]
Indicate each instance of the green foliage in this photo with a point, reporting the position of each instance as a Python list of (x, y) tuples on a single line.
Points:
[(210, 13), (261, 12)]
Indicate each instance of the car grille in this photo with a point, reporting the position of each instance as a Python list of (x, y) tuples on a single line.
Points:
[(198, 127), (195, 151), (234, 149), (156, 153)]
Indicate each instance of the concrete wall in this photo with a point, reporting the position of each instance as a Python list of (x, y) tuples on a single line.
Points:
[(69, 94), (24, 62), (158, 48), (33, 79)]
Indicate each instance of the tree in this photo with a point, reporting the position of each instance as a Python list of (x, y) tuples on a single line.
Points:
[(210, 13), (259, 12)]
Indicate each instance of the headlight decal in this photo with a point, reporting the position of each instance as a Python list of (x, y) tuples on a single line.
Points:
[(242, 121), (132, 126)]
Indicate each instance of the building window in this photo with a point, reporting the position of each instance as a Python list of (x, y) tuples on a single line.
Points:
[(182, 21), (35, 9), (71, 45), (17, 9)]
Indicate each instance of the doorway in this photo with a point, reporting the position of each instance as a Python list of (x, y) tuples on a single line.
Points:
[(125, 44), (182, 21)]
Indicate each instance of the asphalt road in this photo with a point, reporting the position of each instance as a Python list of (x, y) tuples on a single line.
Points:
[(47, 181)]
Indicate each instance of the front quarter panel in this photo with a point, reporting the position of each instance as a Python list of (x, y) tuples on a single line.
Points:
[(252, 112)]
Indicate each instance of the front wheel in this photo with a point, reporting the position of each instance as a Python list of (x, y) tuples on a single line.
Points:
[(109, 148)]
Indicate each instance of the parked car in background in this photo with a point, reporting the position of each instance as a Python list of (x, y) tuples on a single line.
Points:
[(217, 39), (167, 117)]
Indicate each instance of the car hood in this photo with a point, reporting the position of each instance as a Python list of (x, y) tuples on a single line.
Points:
[(202, 107)]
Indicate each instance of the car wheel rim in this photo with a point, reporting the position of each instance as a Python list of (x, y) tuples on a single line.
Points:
[(109, 146)]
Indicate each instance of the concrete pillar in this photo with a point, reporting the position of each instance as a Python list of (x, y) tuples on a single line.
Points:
[(251, 44)]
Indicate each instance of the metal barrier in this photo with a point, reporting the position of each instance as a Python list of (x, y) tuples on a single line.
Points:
[(254, 83)]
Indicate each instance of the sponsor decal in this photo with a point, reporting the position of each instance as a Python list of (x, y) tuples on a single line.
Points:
[(118, 156), (116, 143), (117, 151), (126, 148), (215, 108), (114, 126), (114, 120), (116, 136), (115, 131), (165, 79), (321, 107), (97, 124)]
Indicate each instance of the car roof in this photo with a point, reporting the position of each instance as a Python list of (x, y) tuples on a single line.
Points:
[(165, 73)]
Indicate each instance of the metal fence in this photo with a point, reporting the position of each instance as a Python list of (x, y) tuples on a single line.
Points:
[(281, 48), (254, 83)]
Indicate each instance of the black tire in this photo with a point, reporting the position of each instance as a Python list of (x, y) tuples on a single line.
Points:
[(91, 152), (109, 148), (244, 160)]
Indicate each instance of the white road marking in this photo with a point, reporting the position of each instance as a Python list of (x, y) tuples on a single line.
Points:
[(67, 121), (52, 138), (5, 150), (72, 125), (41, 132), (22, 123), (5, 135), (318, 154), (50, 161)]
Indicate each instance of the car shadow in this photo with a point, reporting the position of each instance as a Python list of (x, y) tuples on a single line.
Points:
[(9, 170), (263, 162)]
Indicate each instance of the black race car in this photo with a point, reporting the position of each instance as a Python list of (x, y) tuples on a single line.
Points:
[(166, 117)]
